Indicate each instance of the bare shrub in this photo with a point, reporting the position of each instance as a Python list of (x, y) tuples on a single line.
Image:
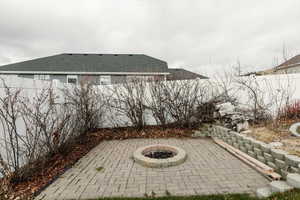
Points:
[(50, 125), (281, 93), (4, 168), (266, 97), (87, 105), (224, 88), (290, 111), (9, 114), (37, 127), (206, 111), (182, 98), (184, 103), (46, 130), (47, 122), (4, 181), (157, 102), (257, 98), (128, 100)]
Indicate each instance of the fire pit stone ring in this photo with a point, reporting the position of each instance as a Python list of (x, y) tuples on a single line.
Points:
[(159, 156), (294, 129)]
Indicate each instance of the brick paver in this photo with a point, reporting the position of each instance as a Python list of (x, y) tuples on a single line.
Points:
[(209, 169)]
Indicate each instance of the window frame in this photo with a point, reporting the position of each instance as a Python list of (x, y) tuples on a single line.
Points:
[(41, 77), (107, 82), (72, 77)]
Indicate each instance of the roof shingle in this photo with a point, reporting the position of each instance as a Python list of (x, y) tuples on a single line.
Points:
[(90, 63), (294, 60), (182, 74)]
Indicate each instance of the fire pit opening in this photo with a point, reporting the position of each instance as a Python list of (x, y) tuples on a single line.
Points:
[(159, 155)]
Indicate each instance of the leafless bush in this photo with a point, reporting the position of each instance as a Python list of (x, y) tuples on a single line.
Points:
[(48, 124), (280, 93), (4, 168), (129, 100), (259, 106), (206, 111), (46, 129), (4, 182), (183, 100), (266, 97), (224, 88), (9, 114), (184, 103), (157, 102), (87, 105)]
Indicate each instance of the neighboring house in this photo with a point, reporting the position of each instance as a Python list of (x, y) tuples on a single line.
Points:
[(290, 66), (182, 74), (98, 68)]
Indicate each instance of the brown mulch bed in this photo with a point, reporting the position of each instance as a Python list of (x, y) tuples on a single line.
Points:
[(57, 164)]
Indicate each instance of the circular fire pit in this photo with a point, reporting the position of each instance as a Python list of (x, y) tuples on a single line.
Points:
[(159, 156)]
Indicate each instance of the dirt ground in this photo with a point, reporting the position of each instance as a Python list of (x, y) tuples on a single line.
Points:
[(270, 134)]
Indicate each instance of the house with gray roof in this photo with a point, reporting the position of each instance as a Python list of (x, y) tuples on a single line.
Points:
[(183, 74), (98, 68), (290, 66)]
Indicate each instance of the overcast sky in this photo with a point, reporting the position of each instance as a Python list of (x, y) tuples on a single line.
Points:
[(200, 35)]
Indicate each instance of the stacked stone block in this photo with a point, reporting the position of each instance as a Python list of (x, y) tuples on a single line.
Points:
[(281, 161), (292, 181)]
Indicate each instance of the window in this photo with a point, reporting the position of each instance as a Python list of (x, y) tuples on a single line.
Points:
[(105, 80), (72, 79), (139, 78), (41, 77)]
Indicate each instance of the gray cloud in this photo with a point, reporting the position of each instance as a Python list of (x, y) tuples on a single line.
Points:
[(202, 36)]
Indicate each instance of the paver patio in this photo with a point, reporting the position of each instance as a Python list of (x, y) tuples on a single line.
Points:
[(209, 169)]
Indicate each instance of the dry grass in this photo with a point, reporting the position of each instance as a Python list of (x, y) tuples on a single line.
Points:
[(268, 135), (280, 133), (291, 145)]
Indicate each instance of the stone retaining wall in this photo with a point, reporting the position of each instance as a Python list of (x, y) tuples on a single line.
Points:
[(278, 159)]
